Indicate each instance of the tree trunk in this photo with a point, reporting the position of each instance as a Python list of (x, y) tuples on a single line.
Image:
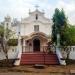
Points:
[(4, 48), (67, 56), (67, 59)]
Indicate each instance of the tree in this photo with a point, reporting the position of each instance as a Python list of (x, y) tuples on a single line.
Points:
[(68, 39), (59, 22), (66, 31), (5, 39), (68, 36)]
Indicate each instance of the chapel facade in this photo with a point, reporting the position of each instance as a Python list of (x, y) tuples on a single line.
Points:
[(35, 32)]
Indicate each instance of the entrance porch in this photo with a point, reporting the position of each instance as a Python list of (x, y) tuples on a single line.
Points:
[(35, 42)]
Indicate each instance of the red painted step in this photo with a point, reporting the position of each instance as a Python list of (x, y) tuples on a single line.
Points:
[(39, 58)]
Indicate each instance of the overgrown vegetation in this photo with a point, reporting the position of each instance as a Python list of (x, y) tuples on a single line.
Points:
[(13, 42), (5, 41), (65, 30), (68, 36), (59, 23)]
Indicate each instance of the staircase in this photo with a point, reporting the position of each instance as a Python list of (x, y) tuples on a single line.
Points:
[(39, 58)]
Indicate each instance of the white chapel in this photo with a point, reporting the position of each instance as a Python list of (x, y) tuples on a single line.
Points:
[(34, 33)]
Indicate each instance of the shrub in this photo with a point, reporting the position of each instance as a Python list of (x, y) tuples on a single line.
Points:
[(13, 42)]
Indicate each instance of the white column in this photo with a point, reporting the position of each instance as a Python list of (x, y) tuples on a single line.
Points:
[(24, 45), (17, 62)]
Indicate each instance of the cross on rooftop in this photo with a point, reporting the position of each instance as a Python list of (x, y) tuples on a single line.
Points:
[(36, 6)]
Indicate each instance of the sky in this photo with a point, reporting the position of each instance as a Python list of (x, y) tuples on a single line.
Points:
[(20, 8)]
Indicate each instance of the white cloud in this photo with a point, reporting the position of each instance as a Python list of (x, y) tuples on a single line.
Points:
[(16, 8), (19, 8), (69, 8)]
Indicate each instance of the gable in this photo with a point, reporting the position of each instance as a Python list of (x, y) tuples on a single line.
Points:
[(36, 16)]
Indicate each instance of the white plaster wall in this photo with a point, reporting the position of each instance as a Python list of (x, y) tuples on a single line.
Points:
[(2, 55), (27, 26), (12, 54), (72, 53), (22, 29)]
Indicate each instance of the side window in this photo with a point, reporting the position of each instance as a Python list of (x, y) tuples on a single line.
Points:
[(12, 50), (36, 28)]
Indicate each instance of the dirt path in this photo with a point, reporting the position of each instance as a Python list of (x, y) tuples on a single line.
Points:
[(30, 70), (18, 73)]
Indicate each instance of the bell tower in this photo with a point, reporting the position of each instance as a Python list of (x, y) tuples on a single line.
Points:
[(7, 22)]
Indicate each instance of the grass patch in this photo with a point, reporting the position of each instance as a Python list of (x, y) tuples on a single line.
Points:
[(7, 63), (70, 61)]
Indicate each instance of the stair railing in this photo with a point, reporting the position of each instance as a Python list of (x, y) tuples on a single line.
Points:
[(60, 57)]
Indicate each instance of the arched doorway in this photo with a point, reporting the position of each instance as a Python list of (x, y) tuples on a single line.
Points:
[(36, 45)]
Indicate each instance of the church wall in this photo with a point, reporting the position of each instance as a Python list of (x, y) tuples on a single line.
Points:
[(46, 28), (22, 29), (29, 28)]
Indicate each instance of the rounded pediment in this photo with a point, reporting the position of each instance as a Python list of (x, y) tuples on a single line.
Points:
[(36, 34)]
